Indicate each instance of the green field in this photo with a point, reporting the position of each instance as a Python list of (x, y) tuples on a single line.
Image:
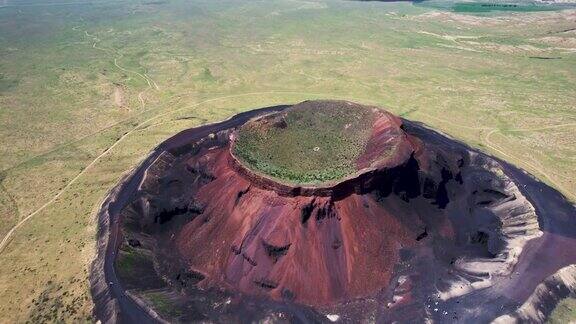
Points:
[(306, 145), (88, 89), (564, 312), (481, 7)]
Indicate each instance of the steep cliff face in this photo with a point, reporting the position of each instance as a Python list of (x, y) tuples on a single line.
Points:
[(421, 219)]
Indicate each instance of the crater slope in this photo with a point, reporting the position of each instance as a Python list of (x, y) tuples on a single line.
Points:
[(402, 223)]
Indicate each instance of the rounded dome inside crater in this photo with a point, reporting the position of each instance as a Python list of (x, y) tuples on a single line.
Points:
[(320, 142)]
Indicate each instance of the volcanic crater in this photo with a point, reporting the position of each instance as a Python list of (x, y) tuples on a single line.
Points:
[(332, 207)]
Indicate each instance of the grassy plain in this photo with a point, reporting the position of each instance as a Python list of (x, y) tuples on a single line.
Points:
[(503, 82)]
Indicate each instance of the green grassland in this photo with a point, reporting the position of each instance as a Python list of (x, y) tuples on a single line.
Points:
[(162, 304), (87, 90), (311, 146), (564, 312), (484, 7)]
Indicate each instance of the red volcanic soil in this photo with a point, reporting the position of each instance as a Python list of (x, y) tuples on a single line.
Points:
[(387, 143), (313, 249), (313, 245)]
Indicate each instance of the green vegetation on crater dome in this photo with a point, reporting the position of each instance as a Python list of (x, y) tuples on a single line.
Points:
[(312, 142)]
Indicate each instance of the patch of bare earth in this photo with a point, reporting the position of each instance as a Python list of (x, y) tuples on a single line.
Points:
[(119, 96)]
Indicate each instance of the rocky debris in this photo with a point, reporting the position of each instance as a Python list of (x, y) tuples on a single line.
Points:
[(514, 223)]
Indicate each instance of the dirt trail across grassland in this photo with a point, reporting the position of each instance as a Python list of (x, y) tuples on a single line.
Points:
[(148, 80), (151, 83)]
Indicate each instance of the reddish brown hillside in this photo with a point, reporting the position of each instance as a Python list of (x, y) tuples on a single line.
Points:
[(315, 245), (415, 222), (312, 249)]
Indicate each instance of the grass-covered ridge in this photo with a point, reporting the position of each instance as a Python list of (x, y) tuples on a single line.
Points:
[(310, 143)]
